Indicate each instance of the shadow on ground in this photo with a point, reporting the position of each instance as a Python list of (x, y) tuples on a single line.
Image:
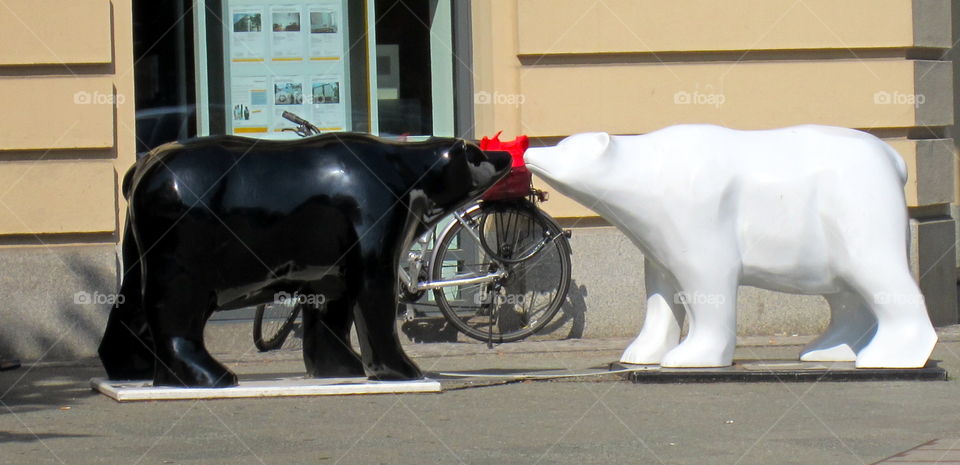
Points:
[(6, 437), (50, 387)]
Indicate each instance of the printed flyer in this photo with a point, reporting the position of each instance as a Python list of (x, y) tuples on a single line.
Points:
[(247, 39), (288, 95), (287, 37), (329, 112), (326, 32), (250, 105)]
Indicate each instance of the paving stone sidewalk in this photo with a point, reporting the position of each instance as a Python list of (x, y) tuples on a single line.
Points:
[(48, 414)]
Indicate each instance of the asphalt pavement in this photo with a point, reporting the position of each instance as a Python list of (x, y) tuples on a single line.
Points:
[(487, 414)]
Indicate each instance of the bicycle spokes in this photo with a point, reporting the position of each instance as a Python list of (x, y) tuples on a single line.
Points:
[(509, 273)]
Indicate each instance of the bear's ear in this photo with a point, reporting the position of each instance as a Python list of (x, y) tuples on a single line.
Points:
[(465, 152), (459, 147), (587, 145)]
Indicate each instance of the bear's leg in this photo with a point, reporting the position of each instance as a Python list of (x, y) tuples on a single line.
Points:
[(126, 350), (177, 306), (376, 317), (326, 341), (904, 337), (852, 325), (664, 320), (709, 291)]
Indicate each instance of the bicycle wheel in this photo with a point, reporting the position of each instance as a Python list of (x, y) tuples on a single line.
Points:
[(273, 323), (522, 303)]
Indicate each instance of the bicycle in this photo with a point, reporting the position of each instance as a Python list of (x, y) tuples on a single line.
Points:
[(499, 271), (273, 322)]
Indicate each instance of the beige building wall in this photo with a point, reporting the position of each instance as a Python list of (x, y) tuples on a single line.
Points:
[(66, 136), (552, 68), (557, 67), (66, 125)]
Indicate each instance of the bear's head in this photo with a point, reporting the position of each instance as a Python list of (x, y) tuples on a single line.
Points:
[(459, 174), (576, 166)]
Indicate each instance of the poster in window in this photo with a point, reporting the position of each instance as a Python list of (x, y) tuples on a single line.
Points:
[(289, 94), (287, 34), (329, 112), (286, 55), (247, 38), (326, 32), (250, 105)]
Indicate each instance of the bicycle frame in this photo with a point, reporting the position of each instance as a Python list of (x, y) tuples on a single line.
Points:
[(462, 217), (417, 261), (430, 285)]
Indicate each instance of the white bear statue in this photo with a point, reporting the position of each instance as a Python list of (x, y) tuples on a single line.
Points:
[(806, 209)]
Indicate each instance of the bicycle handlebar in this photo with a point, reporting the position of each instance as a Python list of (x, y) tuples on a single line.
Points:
[(294, 118), (304, 127)]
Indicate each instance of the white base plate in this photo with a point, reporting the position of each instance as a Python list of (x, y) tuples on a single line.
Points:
[(131, 391)]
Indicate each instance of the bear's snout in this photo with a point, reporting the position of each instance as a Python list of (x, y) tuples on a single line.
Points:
[(537, 159), (501, 162), (493, 167)]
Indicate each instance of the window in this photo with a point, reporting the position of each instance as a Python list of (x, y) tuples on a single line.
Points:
[(163, 71), (379, 66)]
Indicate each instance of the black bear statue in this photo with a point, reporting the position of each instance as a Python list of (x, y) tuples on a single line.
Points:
[(226, 222)]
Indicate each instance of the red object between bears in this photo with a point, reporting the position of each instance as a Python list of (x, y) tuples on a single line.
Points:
[(518, 182)]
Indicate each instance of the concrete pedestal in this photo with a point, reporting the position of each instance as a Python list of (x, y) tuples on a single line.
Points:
[(130, 391), (767, 371)]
